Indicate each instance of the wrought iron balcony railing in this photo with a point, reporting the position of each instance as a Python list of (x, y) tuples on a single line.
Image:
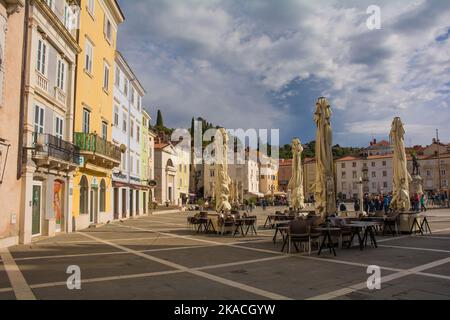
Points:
[(51, 146), (93, 143)]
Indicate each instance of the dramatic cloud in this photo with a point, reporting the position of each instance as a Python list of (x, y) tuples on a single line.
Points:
[(262, 64)]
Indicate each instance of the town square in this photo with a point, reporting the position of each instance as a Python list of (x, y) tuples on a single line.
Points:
[(221, 151)]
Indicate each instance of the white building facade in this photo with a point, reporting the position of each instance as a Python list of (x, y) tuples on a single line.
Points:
[(166, 162), (127, 132), (376, 171)]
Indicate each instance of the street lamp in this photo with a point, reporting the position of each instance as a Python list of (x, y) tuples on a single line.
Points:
[(361, 194)]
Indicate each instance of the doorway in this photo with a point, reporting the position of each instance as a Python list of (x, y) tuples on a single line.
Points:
[(144, 207), (116, 203), (93, 212), (58, 192), (137, 203), (131, 203), (36, 213), (124, 203)]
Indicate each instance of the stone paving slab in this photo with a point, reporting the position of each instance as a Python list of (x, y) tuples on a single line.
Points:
[(426, 242), (388, 257), (54, 270), (57, 250), (199, 257), (407, 288), (164, 243), (166, 287), (441, 270), (7, 296), (4, 280), (294, 277)]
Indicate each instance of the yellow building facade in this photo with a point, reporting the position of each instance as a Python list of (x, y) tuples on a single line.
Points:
[(92, 188)]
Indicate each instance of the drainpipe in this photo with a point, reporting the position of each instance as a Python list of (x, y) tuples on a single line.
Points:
[(22, 90)]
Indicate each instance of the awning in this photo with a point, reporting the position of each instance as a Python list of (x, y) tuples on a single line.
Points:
[(256, 194)]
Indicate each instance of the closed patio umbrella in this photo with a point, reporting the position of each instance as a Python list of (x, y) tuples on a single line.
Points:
[(401, 177)]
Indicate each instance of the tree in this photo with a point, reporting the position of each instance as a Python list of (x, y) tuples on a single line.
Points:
[(192, 126), (159, 120)]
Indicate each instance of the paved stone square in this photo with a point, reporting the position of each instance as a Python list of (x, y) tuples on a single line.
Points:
[(158, 257)]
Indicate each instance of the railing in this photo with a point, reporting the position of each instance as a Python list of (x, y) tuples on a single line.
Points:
[(57, 148), (93, 143), (42, 82), (60, 95)]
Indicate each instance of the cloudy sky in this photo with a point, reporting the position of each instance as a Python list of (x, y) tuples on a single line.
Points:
[(263, 63)]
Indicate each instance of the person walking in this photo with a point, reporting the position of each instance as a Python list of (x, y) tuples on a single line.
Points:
[(423, 207)]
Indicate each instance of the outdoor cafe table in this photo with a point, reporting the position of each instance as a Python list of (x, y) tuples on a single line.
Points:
[(282, 227), (369, 231), (241, 223), (327, 241)]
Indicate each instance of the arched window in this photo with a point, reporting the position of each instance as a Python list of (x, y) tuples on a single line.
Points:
[(169, 163), (84, 195), (102, 196)]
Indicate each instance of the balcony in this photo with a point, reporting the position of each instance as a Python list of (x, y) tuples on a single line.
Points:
[(41, 82), (98, 151), (54, 153)]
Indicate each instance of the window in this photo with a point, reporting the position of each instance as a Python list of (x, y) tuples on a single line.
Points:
[(131, 164), (104, 130), (343, 174), (374, 174), (355, 175), (117, 81), (86, 120), (428, 173), (90, 7), (106, 77), (84, 195), (443, 172), (373, 164), (344, 185), (125, 87), (138, 133), (38, 119), (116, 116), (67, 15), (354, 164), (385, 184), (50, 3), (132, 129), (211, 173), (384, 173), (124, 122), (89, 52), (108, 29), (59, 127), (384, 163), (102, 196), (61, 74), (132, 96), (41, 57), (343, 165)]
